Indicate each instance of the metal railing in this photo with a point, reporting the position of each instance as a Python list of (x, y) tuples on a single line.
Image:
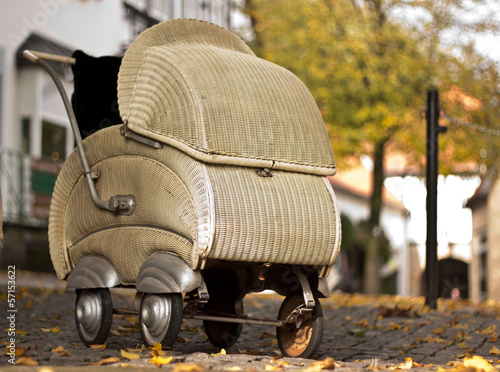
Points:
[(24, 201)]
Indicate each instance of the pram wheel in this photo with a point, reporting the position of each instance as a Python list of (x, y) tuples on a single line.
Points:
[(93, 315), (302, 337), (221, 334), (160, 318)]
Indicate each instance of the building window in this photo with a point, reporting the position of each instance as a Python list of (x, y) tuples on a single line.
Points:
[(26, 128), (159, 9), (53, 141)]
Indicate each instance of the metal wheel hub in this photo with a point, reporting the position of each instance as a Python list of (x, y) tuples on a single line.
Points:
[(155, 316), (89, 314)]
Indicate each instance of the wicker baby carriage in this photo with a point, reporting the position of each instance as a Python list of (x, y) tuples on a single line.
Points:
[(215, 187)]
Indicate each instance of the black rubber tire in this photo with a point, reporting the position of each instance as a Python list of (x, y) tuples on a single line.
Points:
[(93, 315), (160, 318), (221, 334), (302, 342)]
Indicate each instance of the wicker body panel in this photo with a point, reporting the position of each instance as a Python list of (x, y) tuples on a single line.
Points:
[(188, 208), (220, 103), (288, 218), (171, 196)]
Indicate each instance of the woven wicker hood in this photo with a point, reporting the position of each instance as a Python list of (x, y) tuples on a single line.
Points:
[(199, 88)]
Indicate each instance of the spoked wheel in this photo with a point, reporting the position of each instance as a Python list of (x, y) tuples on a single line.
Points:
[(160, 318), (221, 334), (93, 315), (302, 340)]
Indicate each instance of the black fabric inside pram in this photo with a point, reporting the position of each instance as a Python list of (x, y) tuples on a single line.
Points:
[(94, 99)]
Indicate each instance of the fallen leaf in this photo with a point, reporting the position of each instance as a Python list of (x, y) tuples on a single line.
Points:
[(18, 351), (439, 330), (159, 361), (26, 361), (60, 350), (434, 340), (188, 367), (267, 335), (394, 326), (130, 356), (488, 331), (101, 346), (362, 323), (479, 363), (236, 368), (495, 351), (127, 329), (107, 361), (264, 344), (56, 329), (459, 336), (409, 363), (183, 340), (493, 337), (222, 352), (358, 332), (327, 363)]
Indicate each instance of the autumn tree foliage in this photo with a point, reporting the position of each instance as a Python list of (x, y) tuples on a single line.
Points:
[(369, 68)]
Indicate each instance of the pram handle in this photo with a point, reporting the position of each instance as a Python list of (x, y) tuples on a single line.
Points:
[(34, 56), (120, 204)]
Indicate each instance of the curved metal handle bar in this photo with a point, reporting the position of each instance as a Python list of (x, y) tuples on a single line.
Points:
[(125, 204)]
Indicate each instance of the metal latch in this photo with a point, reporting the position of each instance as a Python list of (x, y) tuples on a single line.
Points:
[(266, 172), (122, 204)]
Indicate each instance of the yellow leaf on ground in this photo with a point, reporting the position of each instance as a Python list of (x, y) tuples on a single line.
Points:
[(409, 363), (493, 337), (130, 356), (362, 323), (327, 363), (101, 346), (18, 351), (159, 361), (222, 352), (56, 329), (234, 369), (487, 331), (439, 330), (159, 353), (393, 326), (183, 340), (434, 340), (107, 361), (157, 346), (60, 350), (26, 361), (188, 367), (495, 351), (479, 363)]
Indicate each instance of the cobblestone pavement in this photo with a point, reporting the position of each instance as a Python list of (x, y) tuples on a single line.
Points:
[(361, 333)]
